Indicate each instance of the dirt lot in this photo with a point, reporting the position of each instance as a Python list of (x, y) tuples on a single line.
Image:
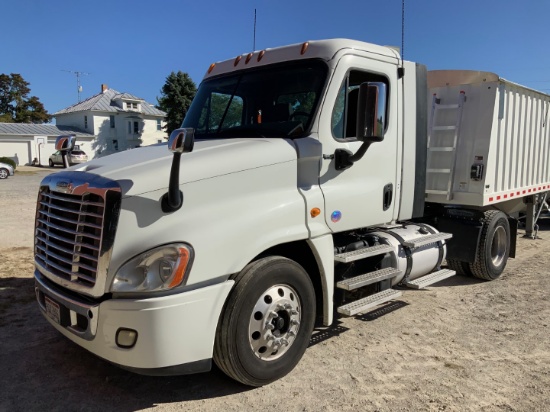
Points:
[(463, 345)]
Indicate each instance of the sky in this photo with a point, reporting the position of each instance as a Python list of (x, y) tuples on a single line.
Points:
[(132, 46)]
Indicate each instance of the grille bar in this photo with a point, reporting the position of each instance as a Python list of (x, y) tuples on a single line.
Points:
[(71, 221), (47, 235), (50, 244), (64, 229), (60, 268), (73, 200), (64, 209)]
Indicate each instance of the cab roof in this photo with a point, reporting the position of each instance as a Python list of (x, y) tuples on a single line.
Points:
[(320, 49)]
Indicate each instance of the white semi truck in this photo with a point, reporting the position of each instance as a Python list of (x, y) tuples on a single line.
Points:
[(310, 179)]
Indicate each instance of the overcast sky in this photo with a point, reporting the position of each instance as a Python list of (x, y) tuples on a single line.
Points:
[(133, 45)]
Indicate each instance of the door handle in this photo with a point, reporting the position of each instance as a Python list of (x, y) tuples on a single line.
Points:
[(387, 196)]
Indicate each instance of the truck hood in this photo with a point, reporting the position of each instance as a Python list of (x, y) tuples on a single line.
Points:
[(146, 169)]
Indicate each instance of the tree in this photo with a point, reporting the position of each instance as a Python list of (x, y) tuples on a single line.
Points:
[(15, 105), (177, 94)]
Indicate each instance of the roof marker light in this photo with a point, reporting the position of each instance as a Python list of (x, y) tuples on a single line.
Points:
[(237, 60), (304, 47), (248, 57), (315, 212), (261, 55), (211, 68)]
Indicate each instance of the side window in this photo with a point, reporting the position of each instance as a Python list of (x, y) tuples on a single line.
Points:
[(344, 113), (220, 112)]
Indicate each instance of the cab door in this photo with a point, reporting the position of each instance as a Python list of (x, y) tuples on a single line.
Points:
[(365, 193)]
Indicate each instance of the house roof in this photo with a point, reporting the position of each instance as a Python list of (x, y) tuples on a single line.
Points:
[(105, 102), (26, 129)]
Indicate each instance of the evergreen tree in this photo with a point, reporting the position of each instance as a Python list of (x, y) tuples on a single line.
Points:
[(15, 105), (177, 94)]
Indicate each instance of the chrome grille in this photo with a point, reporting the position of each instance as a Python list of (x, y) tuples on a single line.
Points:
[(68, 235), (76, 218)]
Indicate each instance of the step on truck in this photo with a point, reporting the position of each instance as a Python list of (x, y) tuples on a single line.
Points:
[(308, 181)]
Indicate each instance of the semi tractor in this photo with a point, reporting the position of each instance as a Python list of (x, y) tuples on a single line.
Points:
[(307, 181)]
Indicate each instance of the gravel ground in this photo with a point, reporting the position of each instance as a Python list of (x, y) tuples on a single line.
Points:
[(462, 345)]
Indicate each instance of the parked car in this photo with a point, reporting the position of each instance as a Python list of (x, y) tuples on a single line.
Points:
[(75, 157), (5, 170)]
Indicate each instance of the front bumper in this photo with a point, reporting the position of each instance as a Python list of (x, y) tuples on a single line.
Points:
[(173, 331)]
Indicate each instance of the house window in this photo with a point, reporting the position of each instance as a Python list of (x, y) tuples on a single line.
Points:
[(159, 125), (136, 127), (112, 121), (159, 141), (129, 127), (115, 144), (85, 122)]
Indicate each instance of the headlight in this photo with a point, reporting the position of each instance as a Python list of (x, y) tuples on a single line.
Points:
[(162, 268)]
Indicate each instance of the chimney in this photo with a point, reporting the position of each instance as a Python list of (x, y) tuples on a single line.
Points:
[(104, 88)]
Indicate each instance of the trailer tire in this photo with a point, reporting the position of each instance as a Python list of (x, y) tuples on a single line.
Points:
[(460, 267), (266, 321), (494, 246)]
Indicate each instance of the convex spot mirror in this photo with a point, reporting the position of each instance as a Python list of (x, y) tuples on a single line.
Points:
[(65, 143), (181, 141), (371, 112)]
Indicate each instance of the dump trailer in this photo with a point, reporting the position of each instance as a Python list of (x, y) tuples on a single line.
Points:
[(307, 181), (488, 151)]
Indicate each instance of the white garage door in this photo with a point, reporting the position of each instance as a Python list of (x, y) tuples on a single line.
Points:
[(18, 151)]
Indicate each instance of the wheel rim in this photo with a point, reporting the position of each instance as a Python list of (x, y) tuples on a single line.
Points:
[(498, 246), (3, 174), (274, 322)]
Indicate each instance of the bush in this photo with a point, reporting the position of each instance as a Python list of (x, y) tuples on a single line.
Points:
[(8, 161)]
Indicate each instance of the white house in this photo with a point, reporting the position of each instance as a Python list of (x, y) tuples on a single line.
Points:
[(120, 121), (24, 142)]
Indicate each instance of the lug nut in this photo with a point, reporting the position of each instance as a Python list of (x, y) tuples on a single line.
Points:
[(269, 326), (294, 322)]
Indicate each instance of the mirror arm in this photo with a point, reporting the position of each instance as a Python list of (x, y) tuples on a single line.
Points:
[(180, 141), (344, 159), (173, 199)]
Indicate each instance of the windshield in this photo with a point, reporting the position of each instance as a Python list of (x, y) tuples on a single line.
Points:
[(273, 101)]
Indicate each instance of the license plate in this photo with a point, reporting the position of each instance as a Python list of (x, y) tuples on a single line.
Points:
[(52, 310)]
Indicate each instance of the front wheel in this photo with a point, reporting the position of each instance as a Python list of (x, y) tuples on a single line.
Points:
[(266, 323), (51, 163), (4, 173)]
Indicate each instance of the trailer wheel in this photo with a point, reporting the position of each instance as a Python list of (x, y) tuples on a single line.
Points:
[(460, 267), (494, 246), (266, 322)]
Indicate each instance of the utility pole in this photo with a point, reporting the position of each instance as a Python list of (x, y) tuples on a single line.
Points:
[(78, 86)]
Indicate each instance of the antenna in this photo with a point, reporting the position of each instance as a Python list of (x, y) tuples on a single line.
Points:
[(254, 44), (78, 86), (402, 29)]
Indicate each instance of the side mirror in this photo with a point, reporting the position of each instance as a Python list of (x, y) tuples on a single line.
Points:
[(65, 144), (371, 112), (180, 141)]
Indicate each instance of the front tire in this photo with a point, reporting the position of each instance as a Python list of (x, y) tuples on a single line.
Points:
[(4, 173), (51, 163), (494, 246), (266, 323)]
